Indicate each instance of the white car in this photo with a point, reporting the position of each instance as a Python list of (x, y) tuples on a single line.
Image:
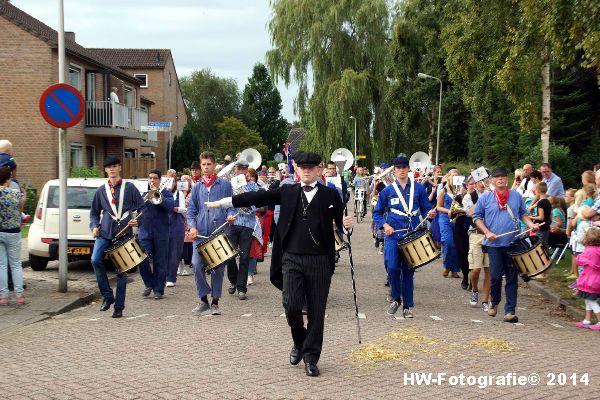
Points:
[(42, 240)]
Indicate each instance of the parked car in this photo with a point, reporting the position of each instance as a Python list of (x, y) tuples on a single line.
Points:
[(43, 234)]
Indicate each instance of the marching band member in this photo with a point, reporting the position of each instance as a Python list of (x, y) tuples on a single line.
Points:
[(196, 175), (496, 213), (176, 231), (303, 252), (186, 255), (203, 221), (154, 238), (403, 201), (241, 228), (444, 201), (111, 207)]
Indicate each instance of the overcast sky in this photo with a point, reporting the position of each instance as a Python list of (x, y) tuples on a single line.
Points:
[(227, 36)]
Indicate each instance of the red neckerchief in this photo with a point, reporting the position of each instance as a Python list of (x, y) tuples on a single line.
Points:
[(502, 198), (112, 190), (207, 181), (195, 179)]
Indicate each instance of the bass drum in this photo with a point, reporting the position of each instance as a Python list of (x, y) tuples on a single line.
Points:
[(418, 248)]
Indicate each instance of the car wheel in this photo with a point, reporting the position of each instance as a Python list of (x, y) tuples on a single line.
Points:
[(38, 263)]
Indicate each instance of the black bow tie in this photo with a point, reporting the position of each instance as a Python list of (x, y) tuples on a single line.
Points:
[(307, 188)]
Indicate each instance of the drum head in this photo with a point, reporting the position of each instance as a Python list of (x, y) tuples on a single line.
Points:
[(409, 237), (522, 245), (118, 243)]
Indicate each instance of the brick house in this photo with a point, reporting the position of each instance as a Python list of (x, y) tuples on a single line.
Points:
[(156, 69), (29, 64)]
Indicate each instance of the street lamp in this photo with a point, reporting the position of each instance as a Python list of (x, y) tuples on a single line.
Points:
[(355, 149), (437, 146)]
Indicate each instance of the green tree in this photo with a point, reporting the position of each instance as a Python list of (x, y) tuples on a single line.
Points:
[(208, 100), (186, 148), (234, 137), (261, 110), (336, 53)]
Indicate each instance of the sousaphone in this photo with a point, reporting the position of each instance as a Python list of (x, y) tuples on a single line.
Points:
[(252, 156)]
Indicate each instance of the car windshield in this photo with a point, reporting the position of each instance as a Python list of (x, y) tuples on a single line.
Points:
[(77, 197)]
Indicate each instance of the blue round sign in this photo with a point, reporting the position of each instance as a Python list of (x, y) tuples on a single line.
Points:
[(62, 105)]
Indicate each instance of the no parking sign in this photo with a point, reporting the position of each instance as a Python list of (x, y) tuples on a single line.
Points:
[(62, 105)]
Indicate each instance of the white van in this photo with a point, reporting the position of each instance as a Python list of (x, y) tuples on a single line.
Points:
[(42, 240)]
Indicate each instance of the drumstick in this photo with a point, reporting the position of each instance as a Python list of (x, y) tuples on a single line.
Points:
[(517, 230), (124, 229), (218, 229)]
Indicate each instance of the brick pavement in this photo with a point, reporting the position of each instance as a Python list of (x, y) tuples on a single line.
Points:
[(159, 350)]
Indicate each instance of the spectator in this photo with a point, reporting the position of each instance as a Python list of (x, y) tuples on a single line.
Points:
[(527, 185), (114, 97), (10, 239), (555, 185)]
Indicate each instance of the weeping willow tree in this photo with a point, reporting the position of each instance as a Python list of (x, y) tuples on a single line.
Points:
[(336, 52)]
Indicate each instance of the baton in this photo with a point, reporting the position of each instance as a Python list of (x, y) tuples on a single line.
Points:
[(348, 234)]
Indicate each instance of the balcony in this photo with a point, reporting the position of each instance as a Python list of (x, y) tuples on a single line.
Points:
[(108, 119)]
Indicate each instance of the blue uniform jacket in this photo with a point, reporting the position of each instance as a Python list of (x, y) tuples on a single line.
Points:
[(204, 219), (388, 199), (156, 218), (101, 212)]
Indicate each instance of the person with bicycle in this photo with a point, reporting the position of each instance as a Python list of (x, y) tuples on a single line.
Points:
[(361, 189)]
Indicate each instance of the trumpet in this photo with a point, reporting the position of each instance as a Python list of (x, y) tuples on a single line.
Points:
[(154, 195)]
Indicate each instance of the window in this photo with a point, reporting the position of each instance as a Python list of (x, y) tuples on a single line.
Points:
[(76, 155), (79, 198), (143, 78), (130, 153), (75, 76), (130, 96), (90, 151), (90, 87)]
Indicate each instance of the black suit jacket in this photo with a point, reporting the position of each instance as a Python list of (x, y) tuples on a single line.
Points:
[(288, 196)]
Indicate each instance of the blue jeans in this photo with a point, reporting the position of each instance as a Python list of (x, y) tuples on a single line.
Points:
[(10, 257), (252, 266), (100, 269), (501, 264), (216, 277)]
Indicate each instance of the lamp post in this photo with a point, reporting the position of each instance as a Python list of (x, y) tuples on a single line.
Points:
[(437, 146), (355, 147)]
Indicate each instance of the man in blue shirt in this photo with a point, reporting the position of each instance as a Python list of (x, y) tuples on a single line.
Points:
[(405, 202), (111, 211), (555, 184), (497, 213)]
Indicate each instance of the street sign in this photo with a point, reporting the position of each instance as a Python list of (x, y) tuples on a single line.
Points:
[(62, 105), (163, 124), (150, 128)]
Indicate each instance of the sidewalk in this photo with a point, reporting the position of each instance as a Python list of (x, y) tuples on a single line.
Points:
[(43, 299)]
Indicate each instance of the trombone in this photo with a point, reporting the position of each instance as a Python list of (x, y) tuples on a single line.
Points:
[(154, 195)]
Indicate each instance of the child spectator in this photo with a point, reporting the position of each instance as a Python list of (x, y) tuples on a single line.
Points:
[(588, 283)]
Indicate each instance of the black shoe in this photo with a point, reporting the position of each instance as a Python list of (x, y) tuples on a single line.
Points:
[(147, 292), (387, 283), (158, 296), (231, 289), (311, 369), (464, 285), (295, 356), (106, 304), (117, 313)]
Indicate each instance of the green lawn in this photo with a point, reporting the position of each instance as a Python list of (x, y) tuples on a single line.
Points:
[(557, 281), (24, 231)]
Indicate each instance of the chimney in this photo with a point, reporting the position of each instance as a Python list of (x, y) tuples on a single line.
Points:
[(70, 36)]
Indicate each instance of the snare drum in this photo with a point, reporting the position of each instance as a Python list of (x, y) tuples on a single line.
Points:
[(126, 253), (340, 244), (529, 256), (216, 250), (418, 249)]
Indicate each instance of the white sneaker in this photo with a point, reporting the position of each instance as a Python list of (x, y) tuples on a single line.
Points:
[(381, 250), (474, 298), (250, 280), (184, 271), (170, 284), (180, 269)]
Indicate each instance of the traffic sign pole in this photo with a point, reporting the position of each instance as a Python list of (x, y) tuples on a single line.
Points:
[(62, 164)]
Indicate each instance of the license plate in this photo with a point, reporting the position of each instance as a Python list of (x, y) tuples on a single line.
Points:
[(78, 250)]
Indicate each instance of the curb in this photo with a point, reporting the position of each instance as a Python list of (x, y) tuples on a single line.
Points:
[(554, 298)]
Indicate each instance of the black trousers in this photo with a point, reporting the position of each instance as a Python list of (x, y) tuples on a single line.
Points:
[(306, 278), (461, 243), (242, 237)]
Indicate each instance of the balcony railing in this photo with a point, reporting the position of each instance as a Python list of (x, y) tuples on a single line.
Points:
[(107, 114)]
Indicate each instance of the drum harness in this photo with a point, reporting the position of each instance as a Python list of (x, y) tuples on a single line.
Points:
[(408, 213)]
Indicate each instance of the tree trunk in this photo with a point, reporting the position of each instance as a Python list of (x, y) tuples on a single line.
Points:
[(432, 133), (545, 108)]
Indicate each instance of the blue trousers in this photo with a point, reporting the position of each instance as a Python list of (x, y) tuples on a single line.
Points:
[(501, 264), (155, 277), (216, 276), (400, 275), (175, 251), (99, 265)]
